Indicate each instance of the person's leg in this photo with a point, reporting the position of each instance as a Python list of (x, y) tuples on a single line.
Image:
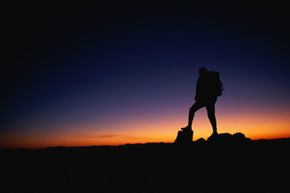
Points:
[(192, 111), (210, 107)]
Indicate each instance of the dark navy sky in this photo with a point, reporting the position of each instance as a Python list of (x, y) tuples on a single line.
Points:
[(87, 63)]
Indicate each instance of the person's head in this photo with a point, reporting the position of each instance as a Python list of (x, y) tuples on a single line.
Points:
[(202, 71)]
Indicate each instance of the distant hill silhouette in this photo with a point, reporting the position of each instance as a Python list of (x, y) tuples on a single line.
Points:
[(227, 163)]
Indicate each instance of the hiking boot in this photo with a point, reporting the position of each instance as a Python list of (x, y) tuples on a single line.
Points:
[(213, 135), (187, 128)]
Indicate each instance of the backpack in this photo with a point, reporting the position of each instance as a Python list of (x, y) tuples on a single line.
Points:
[(216, 83)]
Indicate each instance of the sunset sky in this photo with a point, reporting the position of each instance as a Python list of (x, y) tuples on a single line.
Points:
[(122, 72)]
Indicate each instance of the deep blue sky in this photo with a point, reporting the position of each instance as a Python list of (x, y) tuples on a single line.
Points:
[(82, 63)]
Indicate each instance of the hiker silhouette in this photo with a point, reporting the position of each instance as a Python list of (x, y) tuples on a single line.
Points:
[(208, 89)]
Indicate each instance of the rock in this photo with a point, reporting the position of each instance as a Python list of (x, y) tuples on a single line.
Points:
[(241, 137), (200, 141), (184, 137), (228, 138)]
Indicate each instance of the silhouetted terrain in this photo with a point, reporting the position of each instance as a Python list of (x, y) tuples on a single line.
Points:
[(227, 164)]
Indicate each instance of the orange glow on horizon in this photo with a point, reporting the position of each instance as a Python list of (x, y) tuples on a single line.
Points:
[(258, 125)]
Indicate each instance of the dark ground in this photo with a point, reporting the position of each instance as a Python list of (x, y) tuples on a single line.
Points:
[(252, 166)]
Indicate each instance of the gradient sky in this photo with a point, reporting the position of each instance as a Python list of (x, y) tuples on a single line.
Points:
[(87, 73)]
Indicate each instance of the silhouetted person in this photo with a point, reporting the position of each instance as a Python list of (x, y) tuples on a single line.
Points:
[(208, 88)]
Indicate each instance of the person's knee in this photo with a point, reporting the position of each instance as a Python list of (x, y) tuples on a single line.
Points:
[(192, 110)]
